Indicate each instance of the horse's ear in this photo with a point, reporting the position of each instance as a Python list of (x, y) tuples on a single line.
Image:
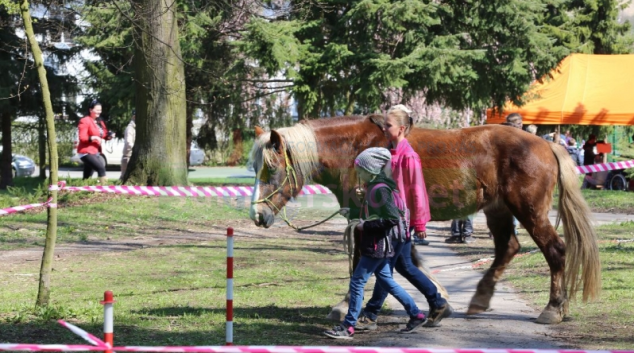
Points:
[(258, 131), (276, 141), (377, 119)]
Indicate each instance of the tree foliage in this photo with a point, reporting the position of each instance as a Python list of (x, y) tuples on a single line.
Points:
[(459, 54), (20, 89), (232, 93)]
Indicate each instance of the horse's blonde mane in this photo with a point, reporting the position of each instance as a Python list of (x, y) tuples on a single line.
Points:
[(299, 141)]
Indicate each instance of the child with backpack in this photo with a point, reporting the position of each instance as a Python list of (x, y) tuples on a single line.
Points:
[(382, 224), (408, 175)]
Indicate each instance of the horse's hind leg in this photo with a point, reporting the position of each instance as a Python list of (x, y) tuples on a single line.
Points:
[(553, 248), (500, 223)]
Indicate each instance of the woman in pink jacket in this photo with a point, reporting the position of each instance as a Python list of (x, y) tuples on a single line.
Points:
[(407, 171)]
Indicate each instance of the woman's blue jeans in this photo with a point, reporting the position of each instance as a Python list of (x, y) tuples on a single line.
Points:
[(381, 269), (402, 261)]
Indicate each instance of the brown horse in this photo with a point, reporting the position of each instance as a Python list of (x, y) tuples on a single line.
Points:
[(501, 170)]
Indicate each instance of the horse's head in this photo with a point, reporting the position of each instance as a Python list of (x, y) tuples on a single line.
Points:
[(283, 160)]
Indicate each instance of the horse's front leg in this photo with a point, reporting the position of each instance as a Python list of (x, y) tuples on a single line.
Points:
[(340, 310)]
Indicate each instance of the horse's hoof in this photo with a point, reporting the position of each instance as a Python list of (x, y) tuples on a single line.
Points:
[(475, 309), (549, 317), (336, 316)]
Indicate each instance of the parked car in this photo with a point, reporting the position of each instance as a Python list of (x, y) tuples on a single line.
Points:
[(22, 166), (112, 152), (196, 155)]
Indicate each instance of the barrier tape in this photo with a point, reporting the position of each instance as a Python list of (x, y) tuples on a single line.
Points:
[(178, 191), (584, 169), (11, 210), (188, 191), (83, 334), (282, 349)]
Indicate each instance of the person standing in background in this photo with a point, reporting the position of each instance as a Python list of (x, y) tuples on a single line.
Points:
[(588, 148), (573, 151), (92, 132), (129, 136)]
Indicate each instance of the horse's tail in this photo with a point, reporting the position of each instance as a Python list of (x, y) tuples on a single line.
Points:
[(582, 251)]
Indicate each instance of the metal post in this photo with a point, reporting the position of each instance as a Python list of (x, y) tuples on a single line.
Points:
[(229, 327)]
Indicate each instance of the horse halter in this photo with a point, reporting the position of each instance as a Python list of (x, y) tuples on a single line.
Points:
[(290, 171)]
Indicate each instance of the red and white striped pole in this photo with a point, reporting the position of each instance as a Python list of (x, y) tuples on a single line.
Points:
[(229, 328), (108, 319)]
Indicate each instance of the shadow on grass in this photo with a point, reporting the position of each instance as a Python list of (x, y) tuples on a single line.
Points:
[(269, 325)]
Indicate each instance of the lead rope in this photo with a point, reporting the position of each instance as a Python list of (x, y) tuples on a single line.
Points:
[(348, 237)]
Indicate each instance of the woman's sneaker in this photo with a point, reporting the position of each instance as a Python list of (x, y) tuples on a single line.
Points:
[(436, 315), (340, 332), (414, 323), (365, 324)]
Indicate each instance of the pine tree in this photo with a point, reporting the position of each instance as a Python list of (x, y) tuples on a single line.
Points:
[(459, 54)]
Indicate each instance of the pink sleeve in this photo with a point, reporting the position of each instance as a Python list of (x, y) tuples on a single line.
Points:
[(417, 193)]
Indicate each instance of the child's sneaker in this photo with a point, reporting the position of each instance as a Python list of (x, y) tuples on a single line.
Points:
[(340, 332), (365, 324), (438, 313), (414, 323)]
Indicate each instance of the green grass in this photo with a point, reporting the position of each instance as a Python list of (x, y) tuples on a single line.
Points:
[(175, 294), (603, 324), (223, 181), (115, 217), (609, 201), (172, 291)]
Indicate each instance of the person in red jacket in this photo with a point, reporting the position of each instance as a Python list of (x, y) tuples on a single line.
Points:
[(92, 133)]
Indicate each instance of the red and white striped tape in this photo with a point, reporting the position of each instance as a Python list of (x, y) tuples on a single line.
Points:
[(179, 191), (11, 210), (83, 334), (584, 169), (283, 349), (188, 191)]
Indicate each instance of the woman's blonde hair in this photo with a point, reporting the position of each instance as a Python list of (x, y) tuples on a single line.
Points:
[(402, 115)]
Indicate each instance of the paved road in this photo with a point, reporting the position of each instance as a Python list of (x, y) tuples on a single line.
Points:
[(194, 173)]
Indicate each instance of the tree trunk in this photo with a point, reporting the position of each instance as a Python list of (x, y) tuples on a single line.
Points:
[(159, 151), (6, 179), (350, 105), (41, 141), (44, 290), (188, 130)]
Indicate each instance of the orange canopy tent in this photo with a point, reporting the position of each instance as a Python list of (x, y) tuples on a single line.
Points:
[(584, 90)]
